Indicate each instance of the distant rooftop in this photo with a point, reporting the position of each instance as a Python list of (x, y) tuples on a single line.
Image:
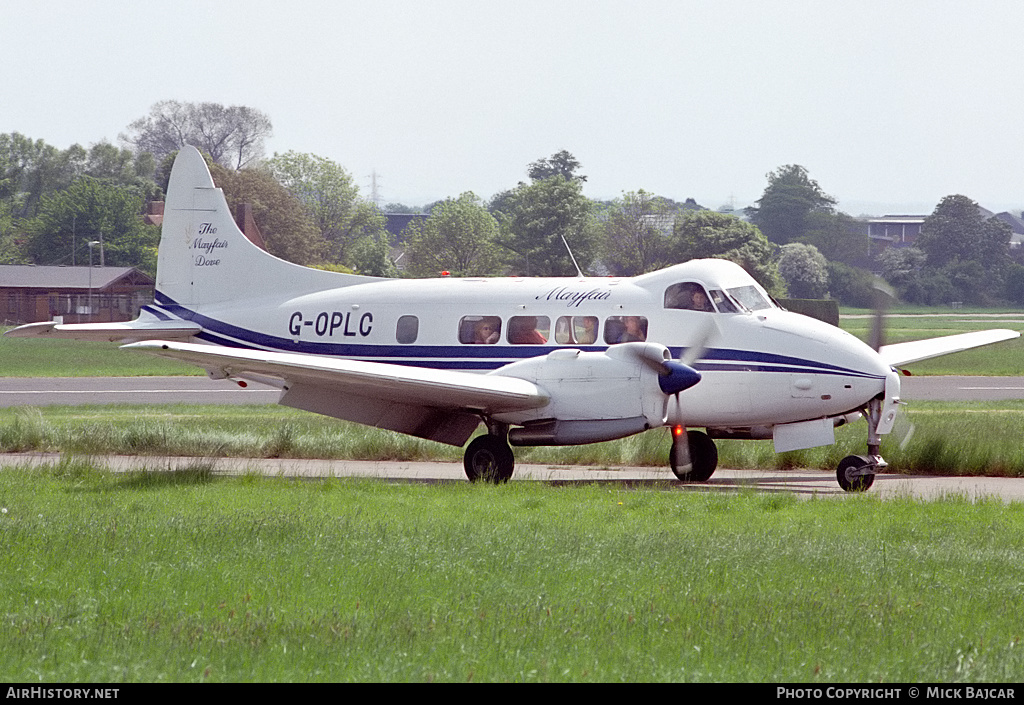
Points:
[(27, 276)]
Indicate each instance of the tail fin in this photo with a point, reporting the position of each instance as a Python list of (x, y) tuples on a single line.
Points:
[(204, 258)]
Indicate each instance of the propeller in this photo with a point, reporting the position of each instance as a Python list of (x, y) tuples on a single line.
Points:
[(681, 456), (883, 295)]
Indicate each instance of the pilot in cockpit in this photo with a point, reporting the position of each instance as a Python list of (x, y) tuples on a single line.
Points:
[(688, 295)]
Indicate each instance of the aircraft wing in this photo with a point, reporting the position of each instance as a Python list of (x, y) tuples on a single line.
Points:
[(905, 353), (109, 332), (440, 405)]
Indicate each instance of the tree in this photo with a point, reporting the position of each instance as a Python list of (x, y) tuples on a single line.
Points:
[(837, 237), (371, 255), (956, 230), (962, 257), (559, 164), (1015, 284), (31, 169), (289, 233), (534, 219), (804, 270), (331, 199), (900, 265), (851, 286), (12, 249), (233, 136), (459, 236), (93, 210), (789, 199), (634, 237), (701, 234)]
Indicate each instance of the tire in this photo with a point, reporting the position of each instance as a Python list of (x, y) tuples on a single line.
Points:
[(703, 458), (489, 458), (850, 482)]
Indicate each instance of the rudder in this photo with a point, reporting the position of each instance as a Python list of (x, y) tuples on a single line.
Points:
[(204, 258)]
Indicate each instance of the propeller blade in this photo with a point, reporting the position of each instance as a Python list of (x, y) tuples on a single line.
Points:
[(682, 463), (708, 331), (882, 295), (903, 429)]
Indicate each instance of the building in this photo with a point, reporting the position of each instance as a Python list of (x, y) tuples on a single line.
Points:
[(30, 293), (1016, 227), (894, 230)]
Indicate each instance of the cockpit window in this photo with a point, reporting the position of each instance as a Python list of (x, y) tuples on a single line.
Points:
[(750, 297), (688, 295), (722, 302)]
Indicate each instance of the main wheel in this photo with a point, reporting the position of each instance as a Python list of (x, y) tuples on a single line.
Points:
[(697, 460), (489, 458), (848, 480)]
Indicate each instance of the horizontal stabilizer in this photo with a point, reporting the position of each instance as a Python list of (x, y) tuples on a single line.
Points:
[(905, 353), (110, 332)]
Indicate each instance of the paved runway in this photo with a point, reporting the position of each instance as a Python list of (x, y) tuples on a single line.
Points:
[(46, 391), (200, 390), (49, 391)]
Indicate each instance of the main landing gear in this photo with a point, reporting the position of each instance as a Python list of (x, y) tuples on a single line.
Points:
[(693, 457), (489, 458)]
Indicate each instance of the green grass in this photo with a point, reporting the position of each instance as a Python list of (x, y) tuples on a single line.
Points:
[(978, 438), (193, 577), (42, 357), (1001, 359)]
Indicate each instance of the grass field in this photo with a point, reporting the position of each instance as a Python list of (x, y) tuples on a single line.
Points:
[(949, 439), (41, 357), (1002, 359), (191, 577)]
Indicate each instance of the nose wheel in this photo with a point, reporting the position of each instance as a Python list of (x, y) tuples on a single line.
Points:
[(856, 473)]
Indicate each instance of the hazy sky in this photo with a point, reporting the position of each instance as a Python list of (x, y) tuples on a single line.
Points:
[(889, 105)]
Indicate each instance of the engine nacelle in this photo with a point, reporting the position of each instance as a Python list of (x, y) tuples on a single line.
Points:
[(595, 396)]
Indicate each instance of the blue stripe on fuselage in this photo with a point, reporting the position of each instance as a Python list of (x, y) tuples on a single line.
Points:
[(478, 357)]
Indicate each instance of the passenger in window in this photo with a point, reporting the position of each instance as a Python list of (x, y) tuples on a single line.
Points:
[(487, 332), (634, 330), (522, 330), (585, 329)]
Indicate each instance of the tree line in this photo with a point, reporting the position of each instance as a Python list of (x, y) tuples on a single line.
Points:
[(793, 240)]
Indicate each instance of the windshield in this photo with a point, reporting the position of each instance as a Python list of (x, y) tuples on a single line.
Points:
[(750, 297)]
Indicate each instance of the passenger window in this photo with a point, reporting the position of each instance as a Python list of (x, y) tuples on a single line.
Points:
[(576, 330), (408, 329), (528, 330), (480, 330), (688, 295), (625, 329)]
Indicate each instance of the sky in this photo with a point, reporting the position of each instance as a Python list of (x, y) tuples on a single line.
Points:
[(889, 106)]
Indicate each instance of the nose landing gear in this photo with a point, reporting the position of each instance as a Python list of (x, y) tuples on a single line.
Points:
[(856, 473)]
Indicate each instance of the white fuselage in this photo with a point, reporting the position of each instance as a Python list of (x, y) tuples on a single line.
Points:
[(760, 365)]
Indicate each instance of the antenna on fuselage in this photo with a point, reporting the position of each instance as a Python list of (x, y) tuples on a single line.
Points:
[(578, 270)]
